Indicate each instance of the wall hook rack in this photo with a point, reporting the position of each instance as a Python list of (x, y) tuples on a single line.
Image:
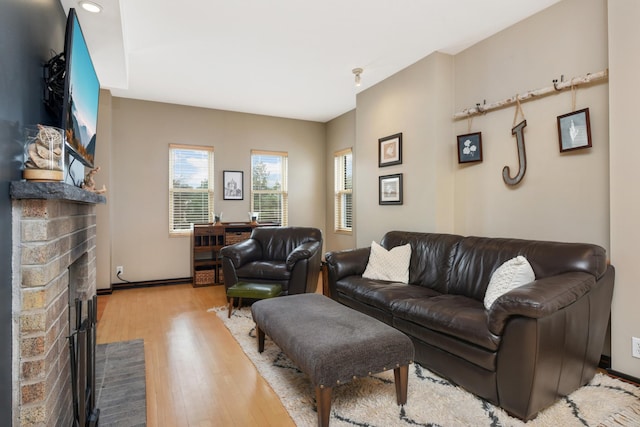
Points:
[(556, 87)]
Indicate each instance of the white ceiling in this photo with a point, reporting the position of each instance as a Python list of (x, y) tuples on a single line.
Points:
[(285, 58)]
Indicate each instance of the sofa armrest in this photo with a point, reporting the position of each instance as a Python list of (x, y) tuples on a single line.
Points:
[(539, 298), (243, 252), (345, 263), (304, 251), (348, 262)]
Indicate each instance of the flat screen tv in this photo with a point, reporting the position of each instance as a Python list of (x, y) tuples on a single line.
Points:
[(81, 93)]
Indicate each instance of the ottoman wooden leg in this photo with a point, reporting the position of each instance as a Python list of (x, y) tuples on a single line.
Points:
[(260, 334), (401, 376), (323, 400)]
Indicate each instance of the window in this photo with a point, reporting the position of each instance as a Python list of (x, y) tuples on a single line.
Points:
[(343, 220), (190, 187), (269, 194)]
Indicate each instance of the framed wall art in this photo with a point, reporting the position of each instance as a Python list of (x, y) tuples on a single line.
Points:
[(233, 185), (390, 150), (574, 130), (390, 189), (470, 148)]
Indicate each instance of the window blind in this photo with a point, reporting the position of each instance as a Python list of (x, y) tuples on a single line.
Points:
[(343, 205), (191, 183), (269, 193)]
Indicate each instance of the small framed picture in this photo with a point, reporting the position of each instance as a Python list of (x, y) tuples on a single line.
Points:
[(390, 150), (574, 130), (233, 185), (470, 148), (390, 189)]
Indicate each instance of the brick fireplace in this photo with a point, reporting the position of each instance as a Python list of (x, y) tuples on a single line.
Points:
[(54, 262)]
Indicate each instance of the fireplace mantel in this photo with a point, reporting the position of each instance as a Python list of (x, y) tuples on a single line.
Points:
[(53, 191)]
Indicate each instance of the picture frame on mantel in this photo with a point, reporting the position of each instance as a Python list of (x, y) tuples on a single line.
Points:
[(390, 189), (470, 147), (574, 130), (390, 150), (233, 185)]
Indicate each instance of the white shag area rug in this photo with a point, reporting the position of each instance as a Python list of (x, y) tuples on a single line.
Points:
[(432, 401)]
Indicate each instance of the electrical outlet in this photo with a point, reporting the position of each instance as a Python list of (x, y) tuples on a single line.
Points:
[(635, 347), (119, 270)]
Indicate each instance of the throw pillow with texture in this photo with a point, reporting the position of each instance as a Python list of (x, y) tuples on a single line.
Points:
[(391, 265), (510, 275)]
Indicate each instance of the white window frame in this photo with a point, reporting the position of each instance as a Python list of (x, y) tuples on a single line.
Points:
[(281, 217), (343, 213), (185, 227)]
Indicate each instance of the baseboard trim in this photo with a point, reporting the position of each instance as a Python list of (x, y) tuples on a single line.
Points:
[(605, 364), (150, 283), (624, 376)]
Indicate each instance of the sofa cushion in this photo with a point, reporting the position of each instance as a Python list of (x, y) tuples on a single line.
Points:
[(278, 242), (447, 345), (380, 294), (431, 256), (478, 257), (270, 270), (510, 275), (453, 315), (391, 265)]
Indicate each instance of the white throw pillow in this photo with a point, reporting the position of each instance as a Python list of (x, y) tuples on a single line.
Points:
[(392, 265), (513, 273)]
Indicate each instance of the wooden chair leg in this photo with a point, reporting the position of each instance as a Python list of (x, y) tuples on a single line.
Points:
[(231, 305), (401, 376), (323, 401)]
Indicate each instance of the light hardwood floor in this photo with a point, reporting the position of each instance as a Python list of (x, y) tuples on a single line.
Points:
[(197, 374)]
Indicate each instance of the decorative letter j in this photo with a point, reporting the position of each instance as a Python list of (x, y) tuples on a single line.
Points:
[(522, 156)]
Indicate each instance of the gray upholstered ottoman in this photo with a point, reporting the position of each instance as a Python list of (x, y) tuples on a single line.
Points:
[(332, 343)]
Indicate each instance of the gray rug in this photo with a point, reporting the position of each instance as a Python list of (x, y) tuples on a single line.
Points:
[(432, 401), (121, 393)]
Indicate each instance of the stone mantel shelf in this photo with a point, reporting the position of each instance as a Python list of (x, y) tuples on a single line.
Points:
[(54, 191)]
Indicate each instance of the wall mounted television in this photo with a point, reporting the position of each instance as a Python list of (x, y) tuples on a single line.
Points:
[(81, 93)]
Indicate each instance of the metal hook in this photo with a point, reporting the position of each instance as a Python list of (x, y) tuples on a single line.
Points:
[(555, 82), (480, 109)]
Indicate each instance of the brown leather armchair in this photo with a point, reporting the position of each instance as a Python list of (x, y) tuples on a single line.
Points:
[(289, 256)]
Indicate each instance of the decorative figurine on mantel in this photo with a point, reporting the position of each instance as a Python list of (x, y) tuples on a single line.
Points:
[(90, 185), (44, 154)]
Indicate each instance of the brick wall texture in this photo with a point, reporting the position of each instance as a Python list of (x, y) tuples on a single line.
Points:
[(57, 263)]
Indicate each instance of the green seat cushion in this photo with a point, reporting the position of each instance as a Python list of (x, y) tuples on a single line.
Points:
[(254, 290)]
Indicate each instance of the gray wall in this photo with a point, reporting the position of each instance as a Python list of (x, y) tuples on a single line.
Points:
[(624, 93), (137, 153), (341, 134), (29, 30), (418, 102), (563, 196)]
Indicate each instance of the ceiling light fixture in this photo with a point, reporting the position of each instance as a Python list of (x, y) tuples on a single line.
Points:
[(90, 6), (357, 72)]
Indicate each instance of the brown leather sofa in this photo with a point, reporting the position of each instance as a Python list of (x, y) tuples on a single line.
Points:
[(289, 256), (537, 343)]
